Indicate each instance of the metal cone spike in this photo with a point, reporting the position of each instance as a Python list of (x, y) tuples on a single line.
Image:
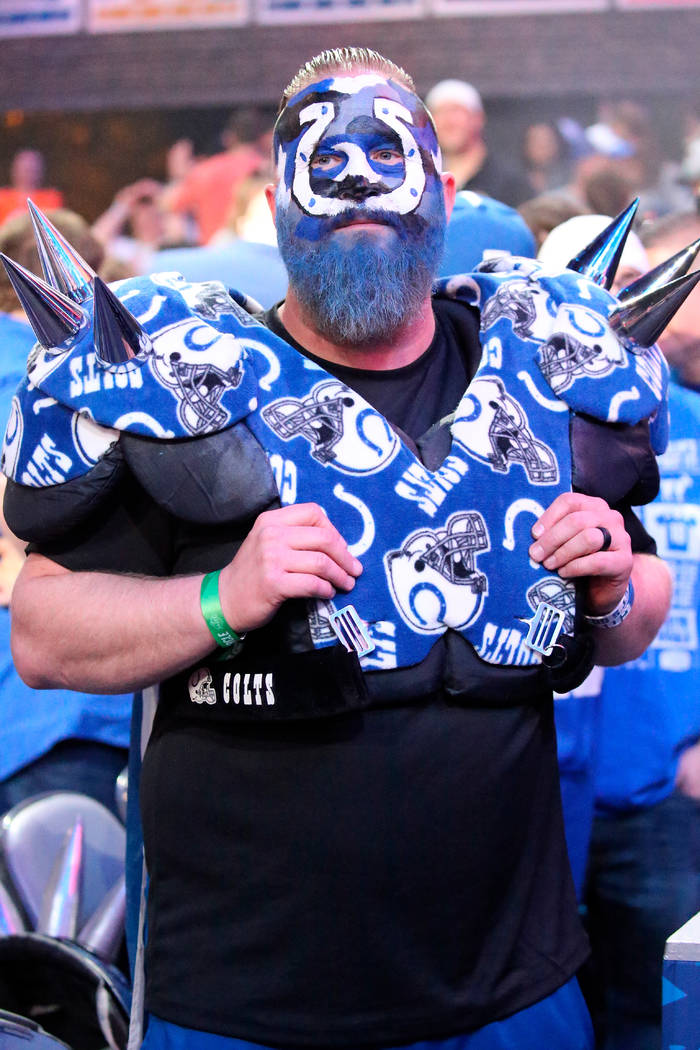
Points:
[(118, 335), (600, 259), (52, 315), (677, 266), (64, 269), (58, 916), (103, 932), (10, 918), (641, 320)]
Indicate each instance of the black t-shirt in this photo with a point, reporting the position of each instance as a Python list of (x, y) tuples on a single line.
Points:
[(417, 395), (375, 878)]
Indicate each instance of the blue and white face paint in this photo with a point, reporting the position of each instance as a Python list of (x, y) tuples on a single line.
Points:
[(355, 144)]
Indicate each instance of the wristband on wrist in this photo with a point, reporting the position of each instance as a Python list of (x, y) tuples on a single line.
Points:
[(222, 633), (616, 616)]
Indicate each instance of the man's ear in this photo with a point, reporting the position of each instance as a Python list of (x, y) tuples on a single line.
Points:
[(270, 198), (449, 187)]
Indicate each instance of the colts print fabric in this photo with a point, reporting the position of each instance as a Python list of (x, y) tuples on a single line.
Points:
[(442, 549)]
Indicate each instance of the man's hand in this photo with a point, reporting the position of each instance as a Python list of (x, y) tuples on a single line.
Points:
[(688, 773), (569, 538), (293, 552)]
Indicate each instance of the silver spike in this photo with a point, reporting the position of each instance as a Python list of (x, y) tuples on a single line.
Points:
[(677, 266), (118, 335), (599, 260), (58, 916), (641, 321), (104, 930), (51, 314), (10, 918), (64, 269)]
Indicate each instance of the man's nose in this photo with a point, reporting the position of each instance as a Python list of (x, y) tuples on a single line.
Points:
[(356, 188)]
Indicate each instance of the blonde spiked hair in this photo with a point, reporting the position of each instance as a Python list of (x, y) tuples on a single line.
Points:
[(345, 60)]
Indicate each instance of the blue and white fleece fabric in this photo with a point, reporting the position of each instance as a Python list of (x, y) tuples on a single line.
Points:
[(443, 548)]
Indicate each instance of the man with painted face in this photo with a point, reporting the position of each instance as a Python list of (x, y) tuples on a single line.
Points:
[(355, 542)]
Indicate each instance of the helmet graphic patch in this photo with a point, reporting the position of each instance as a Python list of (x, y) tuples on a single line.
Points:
[(200, 687), (433, 578), (493, 428), (340, 427), (583, 344), (198, 364), (527, 306), (556, 592)]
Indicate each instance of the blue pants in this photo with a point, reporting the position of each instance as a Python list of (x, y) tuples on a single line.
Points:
[(559, 1022), (87, 766), (642, 885)]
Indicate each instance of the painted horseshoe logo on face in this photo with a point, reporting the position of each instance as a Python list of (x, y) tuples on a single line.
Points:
[(401, 201)]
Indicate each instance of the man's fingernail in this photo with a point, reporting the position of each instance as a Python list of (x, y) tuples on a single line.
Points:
[(357, 565), (536, 552), (537, 529)]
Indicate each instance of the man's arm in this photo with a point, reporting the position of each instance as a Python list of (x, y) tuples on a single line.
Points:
[(109, 633), (568, 540)]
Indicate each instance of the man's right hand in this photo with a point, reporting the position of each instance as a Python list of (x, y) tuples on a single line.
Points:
[(103, 632), (293, 552)]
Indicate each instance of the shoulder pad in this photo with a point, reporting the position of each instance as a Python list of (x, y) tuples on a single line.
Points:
[(197, 374), (559, 321)]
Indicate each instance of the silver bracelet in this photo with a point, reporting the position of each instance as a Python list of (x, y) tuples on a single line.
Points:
[(616, 616)]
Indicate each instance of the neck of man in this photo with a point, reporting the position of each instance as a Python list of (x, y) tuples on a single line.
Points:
[(406, 344)]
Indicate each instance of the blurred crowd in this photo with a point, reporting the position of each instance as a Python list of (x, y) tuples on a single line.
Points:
[(550, 194), (559, 168)]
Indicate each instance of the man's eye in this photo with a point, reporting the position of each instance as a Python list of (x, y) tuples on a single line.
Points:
[(326, 160), (387, 156)]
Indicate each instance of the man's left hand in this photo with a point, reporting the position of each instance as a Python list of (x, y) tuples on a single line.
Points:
[(569, 539)]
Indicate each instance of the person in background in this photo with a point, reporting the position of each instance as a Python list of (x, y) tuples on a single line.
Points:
[(480, 225), (543, 213), (681, 341), (460, 121), (50, 740), (545, 156), (205, 193), (136, 225), (629, 756), (644, 863), (27, 173)]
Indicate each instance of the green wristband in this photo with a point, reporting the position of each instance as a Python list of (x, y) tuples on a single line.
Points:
[(213, 614)]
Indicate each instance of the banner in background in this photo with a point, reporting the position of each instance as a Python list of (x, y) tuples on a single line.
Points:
[(116, 16), (631, 5), (276, 12), (39, 17), (515, 7)]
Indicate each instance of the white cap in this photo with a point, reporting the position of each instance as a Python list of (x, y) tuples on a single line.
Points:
[(457, 91), (568, 238)]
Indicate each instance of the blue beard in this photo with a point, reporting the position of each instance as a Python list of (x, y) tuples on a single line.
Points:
[(359, 292)]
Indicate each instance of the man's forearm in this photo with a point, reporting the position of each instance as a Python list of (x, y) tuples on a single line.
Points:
[(652, 598), (110, 633), (103, 633)]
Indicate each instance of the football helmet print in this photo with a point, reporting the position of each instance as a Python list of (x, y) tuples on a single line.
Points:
[(493, 428), (341, 428), (583, 344), (433, 578), (525, 304), (556, 592), (199, 365)]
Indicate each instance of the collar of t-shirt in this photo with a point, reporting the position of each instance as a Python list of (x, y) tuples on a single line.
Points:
[(414, 397)]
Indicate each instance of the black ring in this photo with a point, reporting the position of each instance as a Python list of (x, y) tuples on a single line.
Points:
[(607, 538)]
